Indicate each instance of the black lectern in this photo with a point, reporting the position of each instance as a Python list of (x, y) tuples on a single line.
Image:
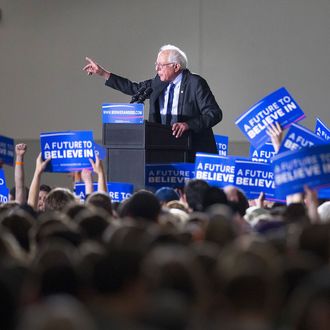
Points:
[(131, 146)]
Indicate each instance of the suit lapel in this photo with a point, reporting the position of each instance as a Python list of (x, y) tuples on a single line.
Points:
[(185, 74)]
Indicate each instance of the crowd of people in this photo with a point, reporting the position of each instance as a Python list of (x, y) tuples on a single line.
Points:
[(198, 257), (201, 257)]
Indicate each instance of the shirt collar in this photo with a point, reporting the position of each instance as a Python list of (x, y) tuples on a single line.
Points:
[(177, 79)]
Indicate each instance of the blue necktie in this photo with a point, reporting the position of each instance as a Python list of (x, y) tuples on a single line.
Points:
[(169, 105)]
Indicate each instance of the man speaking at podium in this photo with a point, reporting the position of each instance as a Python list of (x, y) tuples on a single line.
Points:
[(177, 97)]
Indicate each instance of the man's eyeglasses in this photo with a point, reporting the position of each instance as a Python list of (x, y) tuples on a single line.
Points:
[(162, 65)]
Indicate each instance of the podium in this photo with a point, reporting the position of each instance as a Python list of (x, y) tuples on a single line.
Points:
[(131, 146)]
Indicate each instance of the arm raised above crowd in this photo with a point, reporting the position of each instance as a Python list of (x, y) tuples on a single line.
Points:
[(35, 183), (87, 178), (99, 170), (275, 133), (20, 192)]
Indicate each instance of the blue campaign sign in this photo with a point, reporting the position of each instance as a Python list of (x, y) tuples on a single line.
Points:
[(216, 170), (118, 191), (264, 154), (7, 150), (299, 137), (69, 151), (222, 144), (128, 113), (173, 175), (4, 191), (306, 166), (277, 107), (322, 130), (254, 178), (100, 151), (323, 193)]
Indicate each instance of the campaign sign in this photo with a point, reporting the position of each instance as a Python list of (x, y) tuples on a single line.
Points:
[(277, 107), (216, 170), (323, 193), (307, 166), (4, 191), (322, 130), (254, 178), (173, 175), (118, 191), (100, 151), (264, 154), (69, 151), (127, 113), (222, 144), (299, 137), (7, 150)]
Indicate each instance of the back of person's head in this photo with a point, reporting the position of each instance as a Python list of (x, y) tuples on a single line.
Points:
[(56, 312), (315, 239), (101, 200), (238, 201), (92, 223), (172, 271), (73, 209), (194, 192), (45, 187), (214, 195), (220, 230), (296, 213), (8, 206), (8, 305), (58, 198), (19, 224), (119, 267), (308, 308), (55, 268), (249, 280), (55, 225), (167, 194), (324, 212), (142, 204)]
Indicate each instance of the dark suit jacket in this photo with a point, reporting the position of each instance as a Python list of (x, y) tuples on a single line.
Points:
[(197, 105)]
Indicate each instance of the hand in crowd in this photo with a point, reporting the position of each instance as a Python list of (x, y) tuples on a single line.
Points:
[(20, 192), (41, 164), (92, 67), (20, 150), (312, 203), (99, 170), (275, 133), (97, 165), (260, 201), (86, 175), (179, 128)]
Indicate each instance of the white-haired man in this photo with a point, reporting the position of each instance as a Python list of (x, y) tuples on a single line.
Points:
[(179, 98)]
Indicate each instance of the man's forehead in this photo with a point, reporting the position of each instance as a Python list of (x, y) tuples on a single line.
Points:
[(164, 54)]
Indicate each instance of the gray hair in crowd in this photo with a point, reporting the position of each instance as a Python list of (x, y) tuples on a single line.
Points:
[(324, 212), (176, 55)]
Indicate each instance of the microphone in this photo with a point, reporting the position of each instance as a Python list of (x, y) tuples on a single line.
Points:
[(136, 96), (146, 93)]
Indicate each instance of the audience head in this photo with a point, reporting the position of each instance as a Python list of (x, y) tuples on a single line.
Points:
[(166, 194), (43, 192), (101, 200), (142, 204), (58, 198), (194, 193)]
